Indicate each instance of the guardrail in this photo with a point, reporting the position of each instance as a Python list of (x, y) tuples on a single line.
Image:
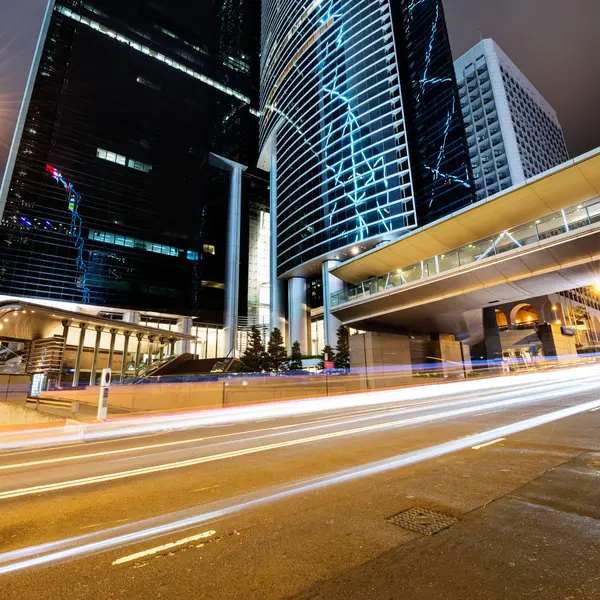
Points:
[(552, 225)]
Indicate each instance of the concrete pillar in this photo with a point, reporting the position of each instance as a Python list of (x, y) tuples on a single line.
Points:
[(184, 325), (299, 313), (381, 360), (232, 265), (127, 335), (150, 349), (277, 296), (66, 324), (79, 358), (138, 351), (94, 368), (111, 351), (331, 285), (172, 346), (161, 352), (493, 343)]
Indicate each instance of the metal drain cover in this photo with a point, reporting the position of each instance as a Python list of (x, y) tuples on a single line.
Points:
[(422, 520)]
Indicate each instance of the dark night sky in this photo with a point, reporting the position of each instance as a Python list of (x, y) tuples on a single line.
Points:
[(556, 43)]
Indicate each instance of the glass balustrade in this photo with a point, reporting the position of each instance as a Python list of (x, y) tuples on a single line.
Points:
[(540, 230)]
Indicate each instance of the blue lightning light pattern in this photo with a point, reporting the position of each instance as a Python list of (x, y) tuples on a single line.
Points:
[(427, 82), (364, 171), (360, 181), (75, 229)]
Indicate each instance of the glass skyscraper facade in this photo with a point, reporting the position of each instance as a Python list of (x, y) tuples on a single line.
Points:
[(361, 124), (112, 201)]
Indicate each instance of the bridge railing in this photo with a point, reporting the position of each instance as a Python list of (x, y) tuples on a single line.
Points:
[(539, 230)]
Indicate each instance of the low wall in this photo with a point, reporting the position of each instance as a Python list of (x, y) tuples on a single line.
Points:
[(227, 392), (14, 387)]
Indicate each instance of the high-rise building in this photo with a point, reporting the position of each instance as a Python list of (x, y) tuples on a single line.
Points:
[(513, 133), (111, 197), (361, 132)]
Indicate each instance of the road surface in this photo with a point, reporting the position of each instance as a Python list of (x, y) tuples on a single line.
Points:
[(276, 505)]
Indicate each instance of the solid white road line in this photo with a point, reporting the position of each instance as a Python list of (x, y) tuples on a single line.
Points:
[(169, 546)]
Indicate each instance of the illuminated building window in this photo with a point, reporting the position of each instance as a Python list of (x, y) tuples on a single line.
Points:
[(111, 156), (119, 159), (208, 249), (149, 84), (129, 242), (139, 166)]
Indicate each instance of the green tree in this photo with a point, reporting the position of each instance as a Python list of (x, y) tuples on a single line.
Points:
[(328, 354), (295, 363), (342, 355), (276, 352), (254, 357)]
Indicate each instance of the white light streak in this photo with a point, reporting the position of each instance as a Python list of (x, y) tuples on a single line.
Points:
[(439, 416), (140, 425)]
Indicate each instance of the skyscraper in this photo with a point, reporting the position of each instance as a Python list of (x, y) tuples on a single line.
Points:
[(361, 132), (110, 197), (513, 133)]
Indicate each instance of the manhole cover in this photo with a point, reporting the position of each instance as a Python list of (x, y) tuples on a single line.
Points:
[(422, 520)]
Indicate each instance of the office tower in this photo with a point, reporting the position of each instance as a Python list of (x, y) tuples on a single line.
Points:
[(513, 133), (361, 132), (110, 197)]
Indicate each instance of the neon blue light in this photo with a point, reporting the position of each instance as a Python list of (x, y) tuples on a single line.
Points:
[(75, 229), (364, 172), (426, 81)]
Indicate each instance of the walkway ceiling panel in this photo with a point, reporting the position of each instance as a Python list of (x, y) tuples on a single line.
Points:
[(590, 169), (568, 185)]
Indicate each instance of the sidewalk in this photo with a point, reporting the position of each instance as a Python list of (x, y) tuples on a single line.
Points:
[(541, 541), (58, 413)]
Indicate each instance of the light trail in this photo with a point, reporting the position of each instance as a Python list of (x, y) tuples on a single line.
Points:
[(440, 416), (345, 418), (77, 547), (140, 425)]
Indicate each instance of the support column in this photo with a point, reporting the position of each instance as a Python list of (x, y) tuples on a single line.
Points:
[(184, 326), (150, 349), (493, 343), (277, 297), (127, 335), (94, 368), (161, 353), (111, 351), (172, 346), (66, 324), (79, 357), (138, 351), (232, 268), (331, 285), (299, 313)]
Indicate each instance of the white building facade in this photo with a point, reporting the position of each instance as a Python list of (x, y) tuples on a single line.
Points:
[(512, 132)]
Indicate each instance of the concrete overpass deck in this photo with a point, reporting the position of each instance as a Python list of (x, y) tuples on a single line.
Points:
[(554, 251)]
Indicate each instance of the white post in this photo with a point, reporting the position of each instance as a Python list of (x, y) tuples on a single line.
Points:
[(103, 397)]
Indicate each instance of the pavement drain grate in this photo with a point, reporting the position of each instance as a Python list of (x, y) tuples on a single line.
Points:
[(422, 520)]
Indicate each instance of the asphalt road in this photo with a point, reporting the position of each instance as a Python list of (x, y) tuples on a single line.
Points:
[(285, 506)]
